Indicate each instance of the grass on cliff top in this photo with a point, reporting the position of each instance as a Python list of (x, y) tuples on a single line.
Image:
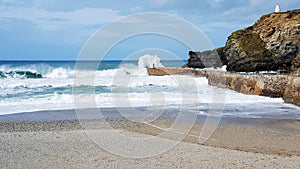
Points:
[(289, 15), (250, 42), (263, 17)]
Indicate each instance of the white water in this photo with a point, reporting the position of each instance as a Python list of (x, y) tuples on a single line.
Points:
[(128, 82), (149, 61)]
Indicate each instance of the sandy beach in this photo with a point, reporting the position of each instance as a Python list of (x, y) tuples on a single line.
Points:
[(237, 143), (156, 84)]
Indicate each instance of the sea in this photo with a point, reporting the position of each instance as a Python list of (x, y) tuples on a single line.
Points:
[(33, 86)]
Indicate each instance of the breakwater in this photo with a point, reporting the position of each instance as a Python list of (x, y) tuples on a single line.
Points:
[(275, 86), (292, 91), (175, 71)]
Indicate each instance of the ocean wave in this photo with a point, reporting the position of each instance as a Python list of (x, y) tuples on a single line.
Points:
[(35, 71), (20, 74), (54, 70), (62, 72)]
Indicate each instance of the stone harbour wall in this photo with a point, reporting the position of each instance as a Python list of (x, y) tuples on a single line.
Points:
[(263, 85), (292, 92), (275, 86)]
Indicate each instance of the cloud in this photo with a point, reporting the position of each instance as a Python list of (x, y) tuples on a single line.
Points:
[(10, 1), (216, 3), (160, 3), (63, 25), (60, 19), (136, 9)]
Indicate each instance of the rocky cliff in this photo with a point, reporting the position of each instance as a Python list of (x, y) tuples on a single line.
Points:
[(296, 65), (272, 43)]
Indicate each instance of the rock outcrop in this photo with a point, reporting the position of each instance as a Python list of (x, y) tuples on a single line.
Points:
[(296, 65), (213, 58), (271, 43)]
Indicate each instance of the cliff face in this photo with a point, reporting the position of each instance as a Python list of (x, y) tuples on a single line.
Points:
[(296, 65), (213, 58), (271, 43)]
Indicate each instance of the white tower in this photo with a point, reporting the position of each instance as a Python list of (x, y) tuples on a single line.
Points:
[(277, 8)]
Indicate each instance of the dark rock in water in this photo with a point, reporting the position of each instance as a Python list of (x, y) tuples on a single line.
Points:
[(206, 59)]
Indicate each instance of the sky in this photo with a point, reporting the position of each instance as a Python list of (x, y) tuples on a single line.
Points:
[(59, 29)]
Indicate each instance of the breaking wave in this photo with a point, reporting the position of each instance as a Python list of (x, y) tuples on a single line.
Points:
[(20, 74)]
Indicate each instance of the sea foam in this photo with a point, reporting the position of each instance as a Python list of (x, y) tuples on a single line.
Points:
[(127, 82)]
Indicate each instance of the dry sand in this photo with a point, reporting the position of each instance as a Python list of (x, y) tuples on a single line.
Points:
[(63, 144)]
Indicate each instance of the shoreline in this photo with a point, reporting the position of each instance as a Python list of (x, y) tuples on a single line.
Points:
[(236, 143), (168, 114), (263, 136)]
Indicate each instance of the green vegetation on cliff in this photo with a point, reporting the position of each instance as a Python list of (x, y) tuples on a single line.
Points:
[(250, 42), (271, 44)]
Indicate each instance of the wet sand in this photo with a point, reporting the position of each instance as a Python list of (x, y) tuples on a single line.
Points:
[(236, 143)]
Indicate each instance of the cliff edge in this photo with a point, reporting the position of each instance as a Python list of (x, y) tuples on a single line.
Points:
[(271, 44)]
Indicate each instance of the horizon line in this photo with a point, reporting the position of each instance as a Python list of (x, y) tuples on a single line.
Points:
[(89, 60)]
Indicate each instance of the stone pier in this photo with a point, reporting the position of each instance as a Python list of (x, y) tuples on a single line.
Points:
[(275, 86)]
